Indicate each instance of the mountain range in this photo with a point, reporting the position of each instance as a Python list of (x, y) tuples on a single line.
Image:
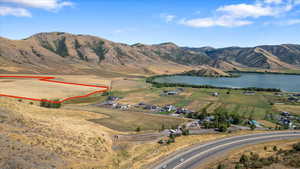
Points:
[(64, 53)]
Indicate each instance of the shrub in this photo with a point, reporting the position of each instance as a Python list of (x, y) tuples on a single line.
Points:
[(297, 146), (252, 126), (223, 128), (221, 166), (50, 103), (275, 148), (244, 159), (237, 166), (160, 141)]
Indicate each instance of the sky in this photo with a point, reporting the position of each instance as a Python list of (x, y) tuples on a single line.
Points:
[(193, 23)]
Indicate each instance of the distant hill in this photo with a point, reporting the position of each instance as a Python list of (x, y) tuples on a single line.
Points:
[(207, 71), (65, 53)]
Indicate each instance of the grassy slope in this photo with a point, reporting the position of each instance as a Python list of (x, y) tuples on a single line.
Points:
[(130, 120)]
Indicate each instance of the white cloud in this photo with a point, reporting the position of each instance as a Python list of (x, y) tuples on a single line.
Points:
[(20, 7), (235, 15), (20, 12), (209, 22), (167, 17), (247, 10), (293, 22), (123, 30), (273, 1), (43, 4)]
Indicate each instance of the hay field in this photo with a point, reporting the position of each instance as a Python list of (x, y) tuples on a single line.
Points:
[(34, 88)]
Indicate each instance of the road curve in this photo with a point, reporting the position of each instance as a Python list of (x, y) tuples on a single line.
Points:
[(197, 155)]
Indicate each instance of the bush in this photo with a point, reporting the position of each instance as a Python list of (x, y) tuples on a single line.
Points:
[(252, 126), (223, 128), (50, 103), (237, 166), (244, 159), (297, 146), (221, 166), (171, 140), (275, 148), (160, 141)]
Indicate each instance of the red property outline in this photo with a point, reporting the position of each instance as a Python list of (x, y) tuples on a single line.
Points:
[(50, 79)]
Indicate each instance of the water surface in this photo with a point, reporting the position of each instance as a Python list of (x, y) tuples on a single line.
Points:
[(290, 83)]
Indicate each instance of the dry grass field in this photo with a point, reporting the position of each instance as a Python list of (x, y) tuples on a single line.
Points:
[(128, 121), (233, 156), (80, 135), (290, 108), (34, 88)]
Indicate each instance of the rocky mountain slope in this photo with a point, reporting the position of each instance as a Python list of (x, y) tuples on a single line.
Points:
[(65, 53)]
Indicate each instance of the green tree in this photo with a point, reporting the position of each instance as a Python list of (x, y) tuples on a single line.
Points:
[(252, 126), (223, 128)]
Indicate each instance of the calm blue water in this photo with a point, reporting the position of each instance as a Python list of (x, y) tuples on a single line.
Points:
[(290, 83)]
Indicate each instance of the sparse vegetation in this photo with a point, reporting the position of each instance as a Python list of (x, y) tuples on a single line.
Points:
[(100, 50), (61, 48), (289, 157)]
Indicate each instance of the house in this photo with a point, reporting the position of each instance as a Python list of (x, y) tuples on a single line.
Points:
[(296, 95), (175, 115), (216, 94), (183, 111), (112, 98), (249, 93), (278, 94), (153, 108), (169, 93), (180, 89), (207, 119), (254, 122), (142, 104), (293, 99), (169, 108), (121, 106), (285, 114), (175, 132)]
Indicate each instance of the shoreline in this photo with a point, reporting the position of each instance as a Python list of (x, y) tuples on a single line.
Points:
[(151, 80)]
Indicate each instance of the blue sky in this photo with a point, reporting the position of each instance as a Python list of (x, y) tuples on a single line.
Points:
[(217, 23)]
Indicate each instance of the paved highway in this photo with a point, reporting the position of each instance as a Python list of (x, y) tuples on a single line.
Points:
[(197, 155)]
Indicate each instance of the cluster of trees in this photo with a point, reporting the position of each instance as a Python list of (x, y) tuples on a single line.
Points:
[(100, 50), (222, 119), (160, 85), (50, 103)]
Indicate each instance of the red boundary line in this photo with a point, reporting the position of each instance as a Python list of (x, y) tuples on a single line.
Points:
[(50, 79)]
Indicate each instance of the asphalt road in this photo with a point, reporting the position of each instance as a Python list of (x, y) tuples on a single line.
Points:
[(197, 155)]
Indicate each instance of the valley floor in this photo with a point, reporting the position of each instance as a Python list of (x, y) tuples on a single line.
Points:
[(82, 135)]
